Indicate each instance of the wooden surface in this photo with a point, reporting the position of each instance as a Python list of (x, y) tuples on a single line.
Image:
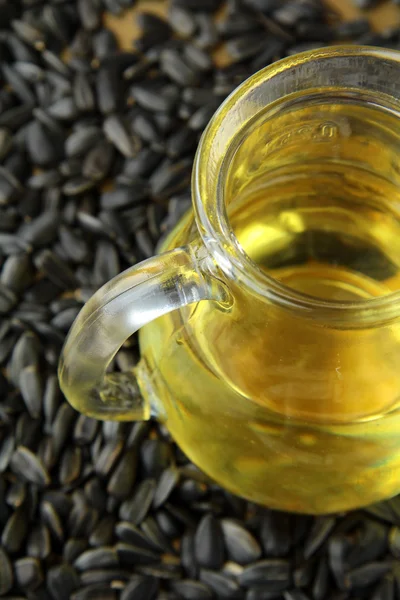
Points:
[(385, 15)]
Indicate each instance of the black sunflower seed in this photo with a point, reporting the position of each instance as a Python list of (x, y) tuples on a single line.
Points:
[(104, 43), (73, 548), (43, 148), (366, 575), (83, 93), (337, 551), (62, 581), (200, 5), (96, 558), (140, 588), (6, 452), (223, 585), (136, 508), (31, 390), (123, 478), (89, 12), (29, 467), (124, 196), (135, 555), (272, 570), (118, 135), (241, 546), (15, 531), (154, 99), (209, 546), (155, 535), (55, 269), (322, 582), (103, 533), (179, 71), (6, 573), (38, 544), (319, 532), (98, 161), (108, 457), (82, 140), (28, 572), (19, 86), (192, 590), (207, 33), (385, 589), (95, 592), (295, 595), (167, 482), (130, 534)]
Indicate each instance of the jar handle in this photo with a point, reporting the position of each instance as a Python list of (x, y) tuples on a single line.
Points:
[(137, 296)]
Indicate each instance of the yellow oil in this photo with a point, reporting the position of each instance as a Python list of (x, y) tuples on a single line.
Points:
[(293, 412)]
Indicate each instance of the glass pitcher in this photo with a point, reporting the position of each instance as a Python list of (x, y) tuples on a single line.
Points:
[(270, 331)]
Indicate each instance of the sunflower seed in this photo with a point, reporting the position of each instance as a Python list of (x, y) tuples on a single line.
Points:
[(241, 546), (136, 509), (38, 544), (165, 486), (62, 581), (64, 109), (180, 72), (28, 572), (95, 592), (96, 558), (134, 555), (366, 575), (108, 457), (319, 532), (322, 581), (104, 43), (31, 390), (42, 147), (25, 464), (89, 12), (98, 161), (55, 269), (140, 588), (123, 196), (209, 546), (83, 94), (7, 299), (82, 140), (223, 585), (272, 570), (153, 99), (108, 89), (192, 590), (118, 135), (102, 534), (15, 531), (6, 573), (18, 85), (123, 478)]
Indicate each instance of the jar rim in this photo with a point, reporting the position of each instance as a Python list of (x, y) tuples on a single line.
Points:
[(208, 196)]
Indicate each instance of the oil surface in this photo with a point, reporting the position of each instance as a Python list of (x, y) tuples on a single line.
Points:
[(288, 411)]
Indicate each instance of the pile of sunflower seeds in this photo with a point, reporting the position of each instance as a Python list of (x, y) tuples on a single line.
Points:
[(96, 149)]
